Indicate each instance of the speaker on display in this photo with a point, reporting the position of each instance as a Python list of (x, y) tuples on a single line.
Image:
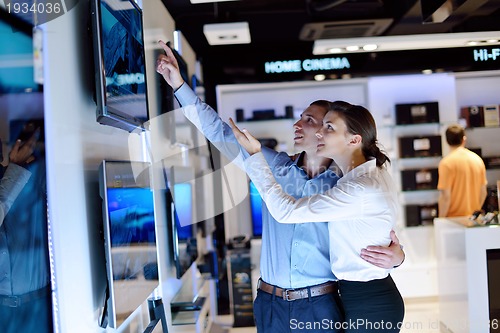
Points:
[(421, 113), (263, 114), (473, 115), (422, 179), (427, 146), (289, 111), (240, 115)]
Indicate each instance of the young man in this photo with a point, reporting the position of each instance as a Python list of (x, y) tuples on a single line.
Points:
[(462, 177), (297, 286)]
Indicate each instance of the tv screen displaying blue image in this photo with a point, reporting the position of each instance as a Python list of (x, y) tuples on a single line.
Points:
[(129, 238), (131, 213), (256, 210), (183, 202)]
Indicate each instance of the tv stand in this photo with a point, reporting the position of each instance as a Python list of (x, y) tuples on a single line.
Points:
[(156, 315)]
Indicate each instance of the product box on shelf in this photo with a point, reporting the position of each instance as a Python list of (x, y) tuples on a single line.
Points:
[(421, 179), (263, 114), (424, 146), (420, 113), (491, 115)]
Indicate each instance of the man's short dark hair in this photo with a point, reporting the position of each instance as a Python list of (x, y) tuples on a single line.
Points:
[(455, 135)]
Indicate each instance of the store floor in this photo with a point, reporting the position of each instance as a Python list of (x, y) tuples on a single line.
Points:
[(421, 316)]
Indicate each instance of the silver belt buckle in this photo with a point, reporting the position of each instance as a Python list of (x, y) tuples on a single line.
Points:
[(11, 301), (286, 295)]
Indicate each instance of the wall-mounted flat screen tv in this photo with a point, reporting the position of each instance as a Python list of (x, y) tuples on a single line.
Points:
[(120, 64), (129, 237), (181, 217)]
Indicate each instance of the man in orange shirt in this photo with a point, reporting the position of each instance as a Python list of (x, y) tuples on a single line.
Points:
[(462, 177)]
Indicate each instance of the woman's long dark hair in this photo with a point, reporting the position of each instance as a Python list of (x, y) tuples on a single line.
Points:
[(360, 121)]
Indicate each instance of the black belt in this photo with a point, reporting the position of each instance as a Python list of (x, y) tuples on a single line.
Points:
[(16, 301), (293, 294)]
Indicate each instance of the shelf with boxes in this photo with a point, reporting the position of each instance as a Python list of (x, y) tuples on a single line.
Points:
[(481, 115), (419, 149), (483, 121)]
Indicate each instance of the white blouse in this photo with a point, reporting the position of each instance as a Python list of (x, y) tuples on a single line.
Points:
[(361, 211)]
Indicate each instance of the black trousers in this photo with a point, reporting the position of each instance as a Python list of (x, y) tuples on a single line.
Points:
[(316, 314), (371, 307)]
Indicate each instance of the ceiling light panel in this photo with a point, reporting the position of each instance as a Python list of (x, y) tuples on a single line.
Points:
[(227, 33), (408, 42)]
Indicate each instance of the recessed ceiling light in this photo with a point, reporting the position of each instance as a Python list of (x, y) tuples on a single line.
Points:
[(227, 33), (370, 47), (352, 48), (492, 41), (406, 42), (472, 43), (427, 71)]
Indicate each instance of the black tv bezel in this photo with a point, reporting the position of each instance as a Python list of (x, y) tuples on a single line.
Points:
[(103, 115)]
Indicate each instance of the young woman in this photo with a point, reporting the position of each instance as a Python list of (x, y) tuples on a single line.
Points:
[(361, 210)]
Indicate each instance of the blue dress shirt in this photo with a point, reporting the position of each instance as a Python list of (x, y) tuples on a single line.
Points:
[(292, 255)]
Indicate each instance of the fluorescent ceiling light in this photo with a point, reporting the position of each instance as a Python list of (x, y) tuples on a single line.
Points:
[(227, 33), (408, 42), (207, 1), (352, 48), (370, 47)]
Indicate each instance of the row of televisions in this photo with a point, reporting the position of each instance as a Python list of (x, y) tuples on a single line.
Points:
[(120, 92), (430, 146), (129, 231)]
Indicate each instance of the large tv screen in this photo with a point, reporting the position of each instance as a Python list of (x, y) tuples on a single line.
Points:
[(120, 64), (129, 237), (181, 217)]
